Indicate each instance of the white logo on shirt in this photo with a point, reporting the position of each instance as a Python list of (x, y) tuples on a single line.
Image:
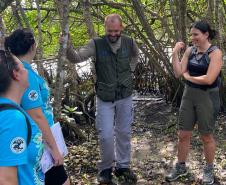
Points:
[(18, 145), (33, 95)]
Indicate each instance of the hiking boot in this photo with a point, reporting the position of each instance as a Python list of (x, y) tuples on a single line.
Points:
[(125, 174), (179, 170), (208, 175), (105, 176)]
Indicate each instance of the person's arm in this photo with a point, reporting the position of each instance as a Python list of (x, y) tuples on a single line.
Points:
[(180, 67), (8, 175), (38, 116), (14, 153), (135, 56), (84, 53), (213, 70), (32, 102)]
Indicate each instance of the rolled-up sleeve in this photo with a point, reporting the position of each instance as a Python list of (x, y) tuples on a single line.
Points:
[(82, 54)]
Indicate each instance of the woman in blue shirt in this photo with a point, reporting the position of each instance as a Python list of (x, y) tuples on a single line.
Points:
[(19, 156), (36, 101)]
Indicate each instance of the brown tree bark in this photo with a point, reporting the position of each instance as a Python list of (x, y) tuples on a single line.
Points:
[(2, 34), (22, 13), (220, 42), (175, 18), (39, 53), (137, 5), (178, 13), (63, 9), (210, 12), (88, 18), (218, 23), (17, 15), (90, 28), (182, 9)]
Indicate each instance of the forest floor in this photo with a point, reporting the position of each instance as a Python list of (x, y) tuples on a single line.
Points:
[(154, 141)]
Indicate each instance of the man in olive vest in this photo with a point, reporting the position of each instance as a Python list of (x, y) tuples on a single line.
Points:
[(115, 56)]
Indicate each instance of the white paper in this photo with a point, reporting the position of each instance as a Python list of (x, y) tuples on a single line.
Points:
[(47, 160)]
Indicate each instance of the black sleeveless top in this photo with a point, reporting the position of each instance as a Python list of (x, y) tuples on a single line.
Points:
[(198, 65)]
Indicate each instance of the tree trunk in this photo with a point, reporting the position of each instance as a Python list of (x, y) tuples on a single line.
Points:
[(181, 9), (63, 9), (39, 53), (90, 28), (22, 13), (2, 34), (17, 15), (178, 13), (175, 18), (210, 12), (218, 23), (220, 43), (88, 18), (151, 36)]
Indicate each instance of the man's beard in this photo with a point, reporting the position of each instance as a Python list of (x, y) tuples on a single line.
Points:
[(113, 39)]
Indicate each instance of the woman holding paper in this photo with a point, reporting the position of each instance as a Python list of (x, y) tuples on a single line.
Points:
[(36, 101), (21, 141)]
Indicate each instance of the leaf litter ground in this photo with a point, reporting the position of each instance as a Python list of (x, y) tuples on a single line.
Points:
[(154, 141)]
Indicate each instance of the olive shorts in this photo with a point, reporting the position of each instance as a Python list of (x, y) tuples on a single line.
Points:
[(199, 107)]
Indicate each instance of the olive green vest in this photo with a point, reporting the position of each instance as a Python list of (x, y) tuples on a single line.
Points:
[(114, 80)]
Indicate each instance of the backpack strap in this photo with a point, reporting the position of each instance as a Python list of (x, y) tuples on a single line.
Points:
[(7, 106), (208, 51), (211, 48), (193, 51)]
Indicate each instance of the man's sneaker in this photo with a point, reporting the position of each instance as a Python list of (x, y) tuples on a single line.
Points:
[(208, 175), (105, 176), (125, 174), (178, 171)]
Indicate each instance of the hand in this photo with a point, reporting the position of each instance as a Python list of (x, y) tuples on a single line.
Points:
[(178, 46), (186, 75), (58, 158)]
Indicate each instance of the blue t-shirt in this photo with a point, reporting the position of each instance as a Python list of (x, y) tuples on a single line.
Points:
[(37, 94), (13, 146)]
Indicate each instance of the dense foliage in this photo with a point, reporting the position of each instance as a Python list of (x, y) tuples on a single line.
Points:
[(156, 26)]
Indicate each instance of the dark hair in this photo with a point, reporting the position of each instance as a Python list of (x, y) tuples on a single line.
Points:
[(20, 41), (204, 27), (7, 65)]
